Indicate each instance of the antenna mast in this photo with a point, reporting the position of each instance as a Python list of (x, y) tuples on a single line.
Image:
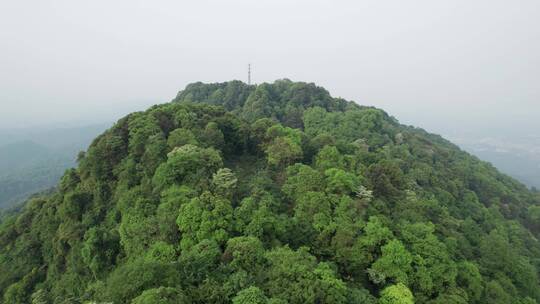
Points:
[(249, 73)]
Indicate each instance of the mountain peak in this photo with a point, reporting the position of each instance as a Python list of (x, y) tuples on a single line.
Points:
[(273, 193)]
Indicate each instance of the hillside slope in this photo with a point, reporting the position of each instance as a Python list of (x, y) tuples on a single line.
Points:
[(274, 193)]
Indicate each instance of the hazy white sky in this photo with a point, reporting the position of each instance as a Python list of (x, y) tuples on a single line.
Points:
[(450, 65)]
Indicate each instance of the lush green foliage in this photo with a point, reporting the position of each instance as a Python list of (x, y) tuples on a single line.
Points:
[(275, 193)]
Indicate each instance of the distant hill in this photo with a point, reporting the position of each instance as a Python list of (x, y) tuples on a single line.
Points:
[(33, 160), (21, 154), (517, 155)]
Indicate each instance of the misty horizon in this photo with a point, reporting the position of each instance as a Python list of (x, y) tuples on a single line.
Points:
[(440, 66)]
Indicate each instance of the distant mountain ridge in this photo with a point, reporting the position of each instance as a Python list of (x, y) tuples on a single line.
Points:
[(34, 160), (517, 156), (21, 154)]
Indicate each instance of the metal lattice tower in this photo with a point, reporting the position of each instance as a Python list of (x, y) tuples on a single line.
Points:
[(249, 73)]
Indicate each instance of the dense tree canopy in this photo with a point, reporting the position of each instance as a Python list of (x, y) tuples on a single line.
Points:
[(274, 193)]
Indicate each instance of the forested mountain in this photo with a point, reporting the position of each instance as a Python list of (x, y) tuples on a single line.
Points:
[(273, 193), (34, 160)]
